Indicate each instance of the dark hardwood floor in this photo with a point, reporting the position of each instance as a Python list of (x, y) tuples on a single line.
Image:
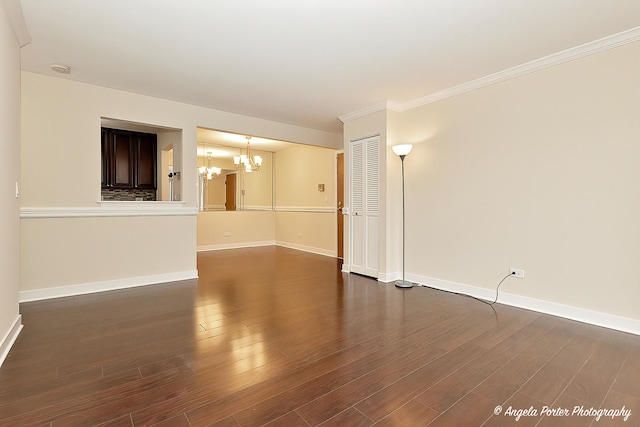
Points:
[(273, 336)]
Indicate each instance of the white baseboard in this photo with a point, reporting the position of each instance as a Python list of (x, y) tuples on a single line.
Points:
[(10, 338), (238, 245), (597, 318), (345, 268), (389, 277), (313, 250), (107, 285)]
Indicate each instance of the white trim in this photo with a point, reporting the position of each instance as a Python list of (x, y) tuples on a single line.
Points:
[(552, 60), (345, 268), (257, 208), (311, 249), (380, 106), (18, 23), (242, 245), (111, 209), (605, 320), (215, 207), (389, 277), (577, 52), (320, 209), (10, 338), (237, 245), (597, 318), (107, 285)]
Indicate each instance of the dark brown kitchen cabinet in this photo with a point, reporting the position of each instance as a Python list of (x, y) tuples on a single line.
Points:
[(145, 146), (105, 158), (128, 159)]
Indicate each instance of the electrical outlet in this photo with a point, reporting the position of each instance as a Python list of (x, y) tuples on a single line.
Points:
[(517, 273), (226, 234)]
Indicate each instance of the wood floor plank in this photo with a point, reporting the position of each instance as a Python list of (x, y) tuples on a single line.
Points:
[(60, 394), (617, 400), (290, 419), (350, 417), (31, 410), (227, 422), (517, 410), (179, 421), (596, 377), (547, 384), (321, 385), (122, 421), (211, 410), (514, 374), (413, 413), (471, 410), (628, 378), (447, 392), (561, 413), (392, 397), (275, 336), (330, 404)]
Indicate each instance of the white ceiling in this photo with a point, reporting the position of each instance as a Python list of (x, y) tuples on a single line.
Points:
[(305, 62)]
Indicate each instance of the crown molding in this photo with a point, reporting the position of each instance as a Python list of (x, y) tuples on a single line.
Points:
[(572, 54), (380, 106), (16, 17), (552, 60)]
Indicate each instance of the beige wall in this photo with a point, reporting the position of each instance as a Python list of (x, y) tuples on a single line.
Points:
[(9, 176), (61, 140), (242, 227), (538, 173), (61, 135), (299, 170), (306, 217), (308, 231), (70, 251)]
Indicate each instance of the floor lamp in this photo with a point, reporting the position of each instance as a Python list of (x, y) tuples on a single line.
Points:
[(402, 150)]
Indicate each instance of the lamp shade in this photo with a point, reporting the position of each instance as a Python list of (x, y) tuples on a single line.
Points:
[(402, 149)]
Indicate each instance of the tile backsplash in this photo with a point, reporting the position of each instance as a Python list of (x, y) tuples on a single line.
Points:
[(128, 195)]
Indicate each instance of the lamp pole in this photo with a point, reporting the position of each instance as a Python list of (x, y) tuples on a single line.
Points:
[(402, 151)]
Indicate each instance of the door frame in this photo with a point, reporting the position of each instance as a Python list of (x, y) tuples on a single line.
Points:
[(340, 204)]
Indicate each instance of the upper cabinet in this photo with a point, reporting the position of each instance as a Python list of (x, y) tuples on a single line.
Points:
[(145, 154), (128, 159)]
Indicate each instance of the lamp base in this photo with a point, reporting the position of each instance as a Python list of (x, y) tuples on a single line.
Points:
[(403, 284)]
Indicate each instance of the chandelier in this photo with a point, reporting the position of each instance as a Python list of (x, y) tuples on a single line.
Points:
[(247, 162), (209, 171)]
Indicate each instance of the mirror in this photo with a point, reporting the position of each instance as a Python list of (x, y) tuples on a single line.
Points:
[(235, 172), (225, 185)]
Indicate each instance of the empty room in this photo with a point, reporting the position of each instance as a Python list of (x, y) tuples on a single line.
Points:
[(293, 213)]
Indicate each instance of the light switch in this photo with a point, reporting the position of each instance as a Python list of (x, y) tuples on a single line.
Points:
[(17, 191)]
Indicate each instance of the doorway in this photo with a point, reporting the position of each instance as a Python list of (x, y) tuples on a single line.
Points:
[(230, 182), (364, 206)]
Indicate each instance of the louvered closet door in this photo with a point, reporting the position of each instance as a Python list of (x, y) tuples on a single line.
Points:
[(365, 161)]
